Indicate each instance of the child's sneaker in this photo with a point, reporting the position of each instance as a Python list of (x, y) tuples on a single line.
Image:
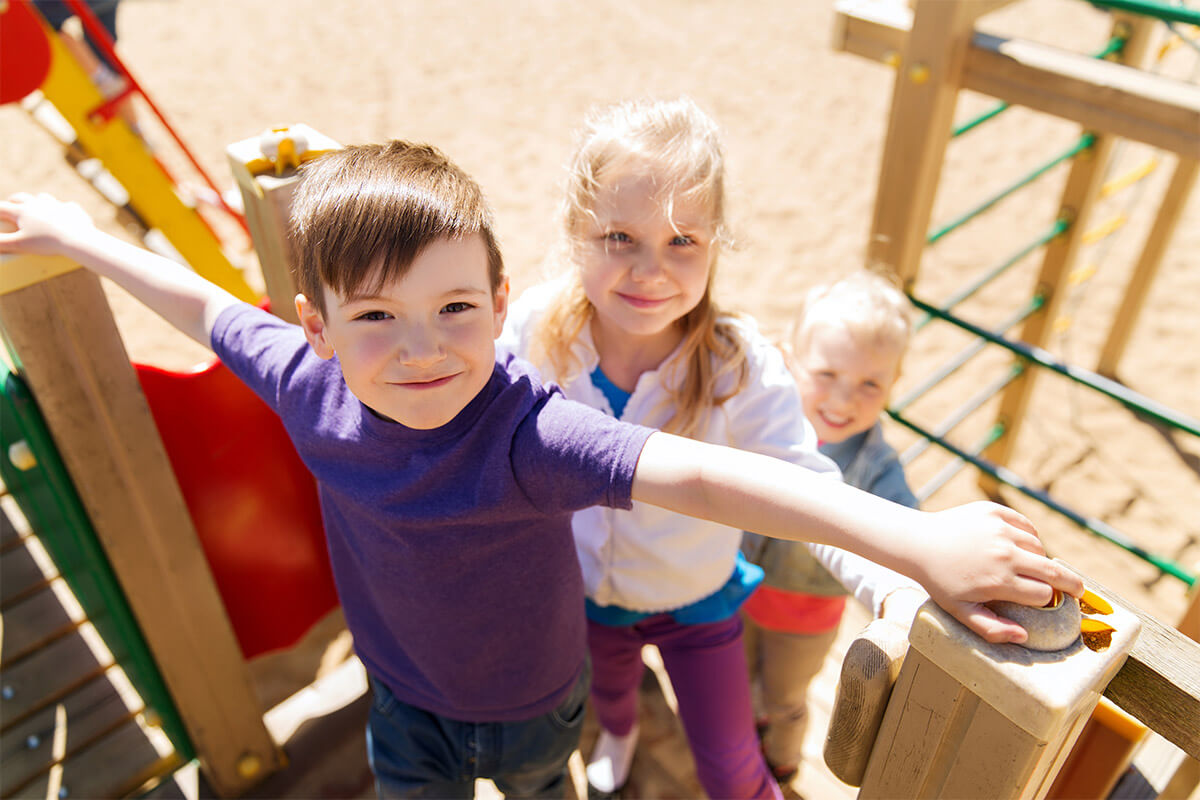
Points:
[(608, 768)]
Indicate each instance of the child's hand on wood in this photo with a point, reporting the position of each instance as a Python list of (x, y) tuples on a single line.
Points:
[(39, 224), (981, 552)]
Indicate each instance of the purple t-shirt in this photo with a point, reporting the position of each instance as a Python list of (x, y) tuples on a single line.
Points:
[(451, 548)]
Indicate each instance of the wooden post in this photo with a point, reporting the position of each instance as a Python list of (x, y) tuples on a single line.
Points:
[(1078, 198), (1169, 212), (1189, 623), (267, 181), (62, 338), (869, 671), (972, 719), (928, 78)]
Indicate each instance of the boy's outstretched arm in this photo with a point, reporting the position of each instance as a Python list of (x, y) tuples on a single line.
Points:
[(45, 226), (963, 556)]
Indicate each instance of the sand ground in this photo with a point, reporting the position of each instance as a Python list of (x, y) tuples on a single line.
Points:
[(501, 86)]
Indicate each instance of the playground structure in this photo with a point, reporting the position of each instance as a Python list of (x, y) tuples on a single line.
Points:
[(974, 739), (935, 60), (51, 85), (136, 496)]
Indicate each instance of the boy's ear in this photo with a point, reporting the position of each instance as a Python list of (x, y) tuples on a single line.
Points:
[(313, 325), (499, 308)]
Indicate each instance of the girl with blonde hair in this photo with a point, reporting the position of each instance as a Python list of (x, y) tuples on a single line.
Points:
[(631, 328)]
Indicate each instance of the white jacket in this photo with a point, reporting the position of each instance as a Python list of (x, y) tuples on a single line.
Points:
[(648, 559)]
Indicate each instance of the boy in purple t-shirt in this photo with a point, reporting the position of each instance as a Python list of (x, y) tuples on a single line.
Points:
[(447, 480)]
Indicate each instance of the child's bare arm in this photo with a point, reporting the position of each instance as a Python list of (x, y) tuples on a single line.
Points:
[(46, 226), (964, 556)]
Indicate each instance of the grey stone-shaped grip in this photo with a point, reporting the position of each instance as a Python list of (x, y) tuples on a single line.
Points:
[(1051, 628)]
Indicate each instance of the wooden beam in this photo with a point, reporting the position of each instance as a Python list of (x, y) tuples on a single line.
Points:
[(1160, 681), (928, 79), (17, 273), (1079, 198), (874, 29), (1099, 95), (62, 337), (1169, 212), (1189, 623), (968, 718), (267, 198)]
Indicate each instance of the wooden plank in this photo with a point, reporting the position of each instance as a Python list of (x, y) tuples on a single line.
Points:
[(869, 671), (1079, 197), (267, 199), (20, 576), (114, 766), (62, 334), (267, 215), (1160, 682), (17, 273), (903, 757), (1189, 623), (973, 719), (9, 535), (990, 739), (874, 29), (1183, 783), (1170, 210), (28, 749), (1099, 95), (46, 677), (919, 126), (33, 623)]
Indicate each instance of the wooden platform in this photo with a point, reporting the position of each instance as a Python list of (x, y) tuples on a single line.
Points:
[(69, 720), (322, 733)]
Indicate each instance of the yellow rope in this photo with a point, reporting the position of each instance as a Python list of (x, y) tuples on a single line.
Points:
[(1082, 274), (1131, 177), (1104, 230)]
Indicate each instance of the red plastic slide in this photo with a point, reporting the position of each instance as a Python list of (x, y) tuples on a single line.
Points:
[(253, 501)]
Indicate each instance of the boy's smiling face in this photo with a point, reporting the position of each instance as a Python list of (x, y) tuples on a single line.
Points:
[(422, 347)]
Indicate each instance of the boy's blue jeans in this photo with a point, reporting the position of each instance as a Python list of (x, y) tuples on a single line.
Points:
[(416, 753)]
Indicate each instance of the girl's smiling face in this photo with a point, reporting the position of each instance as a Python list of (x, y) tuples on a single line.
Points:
[(844, 381), (644, 261)]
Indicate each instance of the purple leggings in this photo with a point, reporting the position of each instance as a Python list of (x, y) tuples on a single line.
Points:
[(707, 667)]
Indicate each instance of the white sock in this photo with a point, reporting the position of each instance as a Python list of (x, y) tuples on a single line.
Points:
[(608, 767)]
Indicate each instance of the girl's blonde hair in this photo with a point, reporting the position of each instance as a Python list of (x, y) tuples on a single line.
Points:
[(679, 145)]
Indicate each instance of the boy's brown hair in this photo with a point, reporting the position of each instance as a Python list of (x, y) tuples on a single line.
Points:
[(379, 205)]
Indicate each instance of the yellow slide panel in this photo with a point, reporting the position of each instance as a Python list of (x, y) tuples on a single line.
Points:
[(151, 192)]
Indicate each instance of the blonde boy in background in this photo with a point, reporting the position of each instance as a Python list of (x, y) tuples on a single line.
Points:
[(845, 354)]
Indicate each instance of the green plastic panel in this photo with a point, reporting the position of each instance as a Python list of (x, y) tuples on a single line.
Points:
[(47, 498)]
